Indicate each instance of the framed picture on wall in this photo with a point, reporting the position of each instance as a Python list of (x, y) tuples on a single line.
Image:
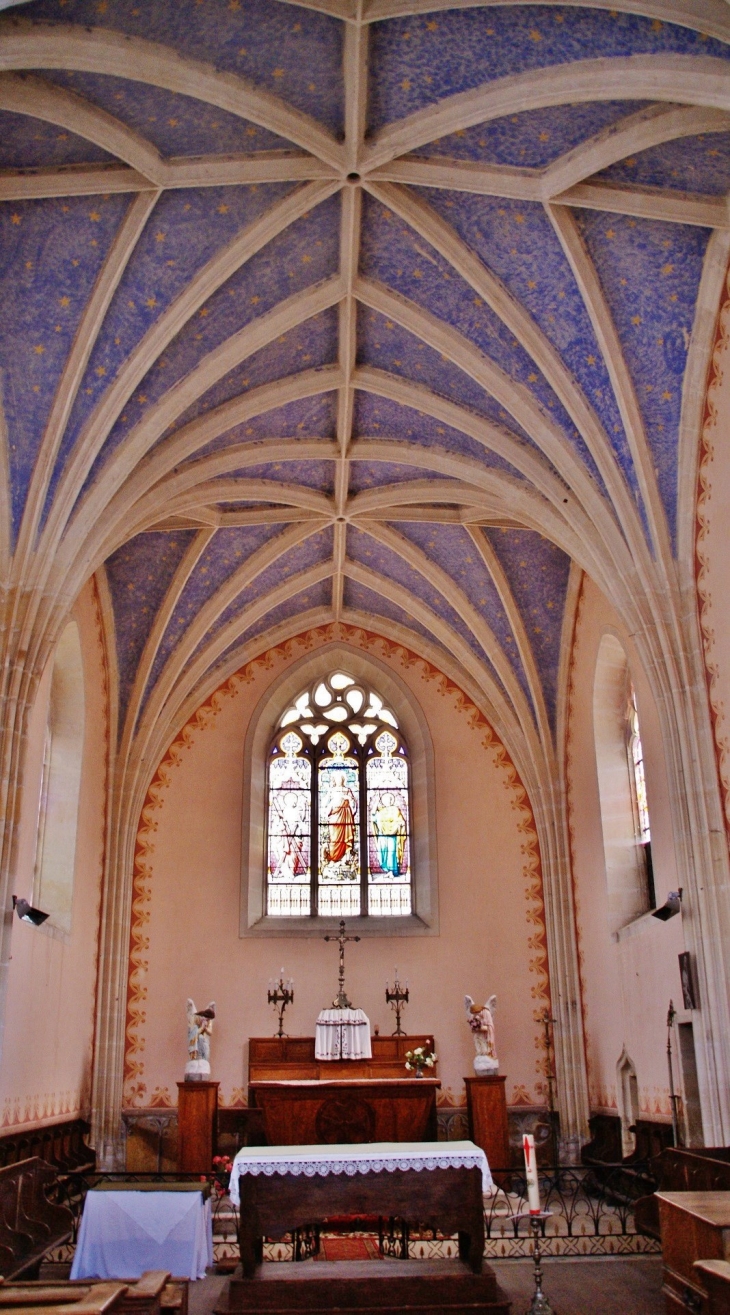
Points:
[(689, 994)]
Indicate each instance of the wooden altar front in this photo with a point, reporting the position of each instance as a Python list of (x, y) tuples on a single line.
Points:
[(305, 1101)]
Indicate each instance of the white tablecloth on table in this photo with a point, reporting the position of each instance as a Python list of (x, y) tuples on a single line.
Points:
[(374, 1157), (124, 1233), (342, 1034)]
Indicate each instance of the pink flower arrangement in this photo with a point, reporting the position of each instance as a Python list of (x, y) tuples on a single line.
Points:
[(222, 1165)]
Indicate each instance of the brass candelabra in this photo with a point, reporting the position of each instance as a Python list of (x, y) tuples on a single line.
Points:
[(397, 997), (280, 996)]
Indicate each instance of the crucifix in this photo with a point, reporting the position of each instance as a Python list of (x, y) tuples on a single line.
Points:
[(341, 1001)]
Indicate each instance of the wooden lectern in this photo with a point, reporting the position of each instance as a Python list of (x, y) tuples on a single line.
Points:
[(197, 1126), (487, 1109)]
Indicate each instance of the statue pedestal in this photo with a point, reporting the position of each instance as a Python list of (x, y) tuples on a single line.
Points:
[(487, 1108), (197, 1125)]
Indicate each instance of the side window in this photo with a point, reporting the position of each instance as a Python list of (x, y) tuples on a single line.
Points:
[(621, 787), (642, 825), (61, 783)]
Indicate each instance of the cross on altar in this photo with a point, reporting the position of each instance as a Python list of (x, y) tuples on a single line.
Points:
[(341, 1001)]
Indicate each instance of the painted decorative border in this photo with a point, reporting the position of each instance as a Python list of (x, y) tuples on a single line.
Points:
[(655, 1102), (135, 1090), (704, 596), (41, 1108), (595, 1098)]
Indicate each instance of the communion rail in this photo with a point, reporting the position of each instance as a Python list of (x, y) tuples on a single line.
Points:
[(590, 1214)]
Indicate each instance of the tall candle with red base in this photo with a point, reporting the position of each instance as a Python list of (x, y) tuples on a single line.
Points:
[(533, 1188)]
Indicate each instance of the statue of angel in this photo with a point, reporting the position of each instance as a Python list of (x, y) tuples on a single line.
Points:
[(200, 1028), (481, 1021)]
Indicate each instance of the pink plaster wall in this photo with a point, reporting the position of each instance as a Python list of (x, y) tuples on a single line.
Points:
[(713, 559), (626, 983), (46, 1065), (189, 870)]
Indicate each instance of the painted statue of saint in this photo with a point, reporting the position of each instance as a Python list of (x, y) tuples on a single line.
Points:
[(340, 820), (481, 1021), (389, 826), (200, 1029)]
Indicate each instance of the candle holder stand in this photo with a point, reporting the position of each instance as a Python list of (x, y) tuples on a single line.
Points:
[(397, 998), (281, 996), (539, 1304)]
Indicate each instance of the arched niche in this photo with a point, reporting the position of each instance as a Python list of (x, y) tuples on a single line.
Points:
[(627, 1087), (626, 875), (61, 783), (265, 719)]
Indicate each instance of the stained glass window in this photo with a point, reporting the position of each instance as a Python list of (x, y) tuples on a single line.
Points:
[(339, 806), (290, 814), (637, 763), (389, 877)]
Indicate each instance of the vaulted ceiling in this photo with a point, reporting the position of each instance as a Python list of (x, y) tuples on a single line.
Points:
[(369, 310)]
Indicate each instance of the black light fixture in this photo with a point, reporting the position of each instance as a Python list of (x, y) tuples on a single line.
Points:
[(671, 905), (27, 913)]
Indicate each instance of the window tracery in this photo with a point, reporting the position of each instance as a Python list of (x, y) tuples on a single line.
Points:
[(338, 817)]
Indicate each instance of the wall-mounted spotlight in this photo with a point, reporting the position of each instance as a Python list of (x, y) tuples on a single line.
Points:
[(27, 913), (672, 905)]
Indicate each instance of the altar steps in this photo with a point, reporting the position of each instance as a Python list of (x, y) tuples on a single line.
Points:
[(370, 1287)]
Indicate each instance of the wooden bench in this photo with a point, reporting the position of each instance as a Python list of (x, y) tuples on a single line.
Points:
[(97, 1300), (155, 1293), (679, 1169), (30, 1224), (714, 1277)]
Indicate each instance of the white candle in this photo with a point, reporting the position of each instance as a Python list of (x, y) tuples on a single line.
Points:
[(533, 1189)]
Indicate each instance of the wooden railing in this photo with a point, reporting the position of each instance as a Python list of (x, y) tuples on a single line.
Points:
[(30, 1223)]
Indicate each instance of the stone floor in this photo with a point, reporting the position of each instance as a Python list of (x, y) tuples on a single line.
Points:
[(610, 1286)]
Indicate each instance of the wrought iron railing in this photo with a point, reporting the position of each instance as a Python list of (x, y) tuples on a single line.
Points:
[(590, 1213)]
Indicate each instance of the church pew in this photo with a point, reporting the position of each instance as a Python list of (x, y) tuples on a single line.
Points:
[(30, 1224), (679, 1169), (155, 1293), (714, 1277), (100, 1299)]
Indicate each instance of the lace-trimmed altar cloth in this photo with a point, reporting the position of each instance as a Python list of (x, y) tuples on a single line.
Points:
[(342, 1034), (373, 1157)]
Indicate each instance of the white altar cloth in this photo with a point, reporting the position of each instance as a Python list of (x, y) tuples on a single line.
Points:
[(374, 1157), (342, 1034), (124, 1233)]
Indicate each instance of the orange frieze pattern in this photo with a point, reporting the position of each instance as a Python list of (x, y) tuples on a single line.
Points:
[(135, 1089), (720, 352)]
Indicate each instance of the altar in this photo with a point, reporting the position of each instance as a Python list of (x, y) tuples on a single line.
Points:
[(281, 1189), (320, 1102), (341, 1086)]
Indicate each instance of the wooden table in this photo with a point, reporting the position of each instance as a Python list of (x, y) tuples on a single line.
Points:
[(694, 1226), (347, 1110), (273, 1203)]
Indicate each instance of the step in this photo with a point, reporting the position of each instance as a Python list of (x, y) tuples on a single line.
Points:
[(370, 1287)]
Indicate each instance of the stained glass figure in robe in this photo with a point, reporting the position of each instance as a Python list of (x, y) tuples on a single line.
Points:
[(389, 877), (339, 830), (289, 860)]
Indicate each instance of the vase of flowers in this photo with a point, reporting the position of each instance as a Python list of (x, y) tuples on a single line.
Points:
[(222, 1165), (420, 1058)]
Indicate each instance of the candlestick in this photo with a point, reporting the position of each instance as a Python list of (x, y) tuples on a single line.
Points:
[(539, 1304), (533, 1187), (397, 998), (281, 996)]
